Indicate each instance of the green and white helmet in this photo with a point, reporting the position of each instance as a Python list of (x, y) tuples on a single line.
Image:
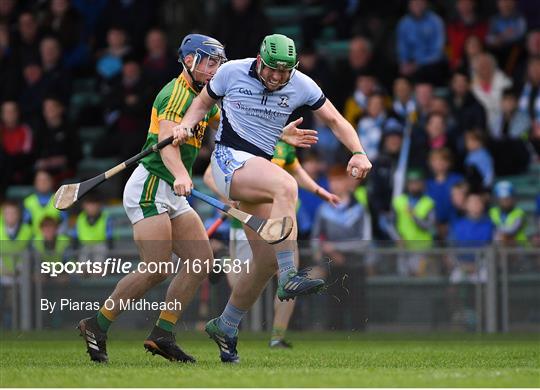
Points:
[(278, 52)]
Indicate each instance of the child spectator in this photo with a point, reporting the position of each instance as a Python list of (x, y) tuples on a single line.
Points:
[(56, 79), (93, 230), (474, 230), (478, 162), (15, 237), (51, 246), (109, 64), (414, 215), (370, 127), (458, 196), (40, 204), (509, 220), (439, 187), (17, 144)]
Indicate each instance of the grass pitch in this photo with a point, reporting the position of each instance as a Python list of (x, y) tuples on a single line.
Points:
[(58, 359)]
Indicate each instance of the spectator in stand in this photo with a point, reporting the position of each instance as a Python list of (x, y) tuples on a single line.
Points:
[(8, 12), (133, 17), (478, 162), (15, 236), (370, 127), (338, 234), (473, 47), (109, 63), (420, 44), (309, 203), (126, 114), (9, 66), (404, 105), (158, 65), (93, 230), (17, 144), (489, 82), (241, 25), (33, 90), (529, 101), (27, 37), (506, 33), (439, 187), (40, 203), (413, 224), (466, 109), (473, 230), (356, 105), (64, 22), (507, 140), (359, 61), (534, 139), (423, 94), (57, 141), (51, 245), (532, 51), (458, 196), (381, 177), (465, 24), (56, 79), (510, 220)]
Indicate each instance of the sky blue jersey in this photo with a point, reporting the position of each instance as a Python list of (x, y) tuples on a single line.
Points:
[(252, 118)]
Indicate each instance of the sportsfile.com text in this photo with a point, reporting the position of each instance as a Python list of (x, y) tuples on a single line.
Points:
[(119, 266)]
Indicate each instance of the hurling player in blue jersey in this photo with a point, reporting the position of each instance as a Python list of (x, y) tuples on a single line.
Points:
[(257, 97)]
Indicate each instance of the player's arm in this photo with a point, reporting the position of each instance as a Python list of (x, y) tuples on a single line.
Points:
[(346, 134), (173, 160), (197, 110), (306, 182)]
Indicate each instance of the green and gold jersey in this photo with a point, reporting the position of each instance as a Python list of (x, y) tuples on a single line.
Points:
[(171, 104), (285, 156)]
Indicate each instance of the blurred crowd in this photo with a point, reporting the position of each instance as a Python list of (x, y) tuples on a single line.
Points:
[(454, 82)]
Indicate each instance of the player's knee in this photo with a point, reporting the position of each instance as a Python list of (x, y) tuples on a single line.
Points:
[(288, 189)]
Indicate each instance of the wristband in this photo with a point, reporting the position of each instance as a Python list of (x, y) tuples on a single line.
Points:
[(361, 153)]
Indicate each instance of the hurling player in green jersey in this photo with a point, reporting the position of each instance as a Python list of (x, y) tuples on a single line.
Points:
[(164, 222)]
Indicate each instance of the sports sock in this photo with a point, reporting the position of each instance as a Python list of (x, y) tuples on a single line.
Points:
[(285, 262), (230, 319), (104, 319), (278, 333), (167, 320)]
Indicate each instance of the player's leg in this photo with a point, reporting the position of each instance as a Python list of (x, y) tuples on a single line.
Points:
[(191, 244), (149, 234), (283, 311), (280, 188), (224, 329)]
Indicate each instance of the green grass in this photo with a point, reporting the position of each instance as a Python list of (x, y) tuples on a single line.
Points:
[(57, 359)]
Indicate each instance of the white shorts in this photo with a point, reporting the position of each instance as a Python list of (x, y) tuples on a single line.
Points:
[(239, 245), (147, 195), (225, 161)]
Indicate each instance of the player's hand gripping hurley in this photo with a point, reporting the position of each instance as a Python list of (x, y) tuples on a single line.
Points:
[(273, 230)]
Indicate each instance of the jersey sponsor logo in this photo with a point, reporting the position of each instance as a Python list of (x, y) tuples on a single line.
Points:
[(265, 113), (284, 101), (245, 91)]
